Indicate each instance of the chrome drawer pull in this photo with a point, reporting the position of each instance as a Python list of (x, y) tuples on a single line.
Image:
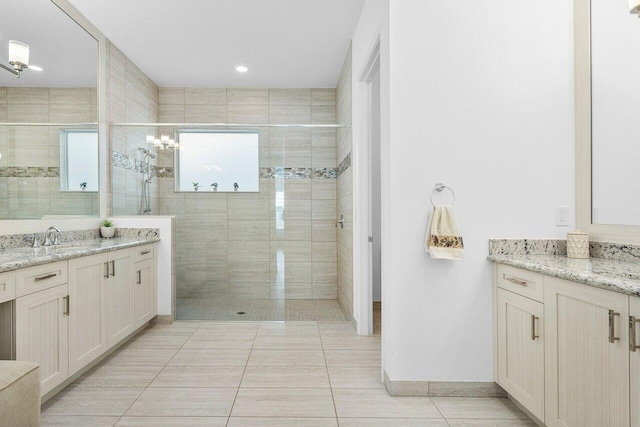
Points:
[(612, 324), (106, 269), (113, 268), (533, 327), (514, 280), (148, 251), (48, 276), (139, 277), (632, 334), (67, 306)]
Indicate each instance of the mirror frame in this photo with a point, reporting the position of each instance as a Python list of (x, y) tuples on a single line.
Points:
[(16, 226), (583, 142)]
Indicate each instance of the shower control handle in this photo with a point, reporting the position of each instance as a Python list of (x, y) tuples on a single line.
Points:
[(340, 221)]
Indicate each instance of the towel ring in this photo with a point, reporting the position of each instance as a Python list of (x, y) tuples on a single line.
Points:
[(440, 188)]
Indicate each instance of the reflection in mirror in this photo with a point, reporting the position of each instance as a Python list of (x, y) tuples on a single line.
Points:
[(615, 66), (223, 161), (78, 160), (36, 177)]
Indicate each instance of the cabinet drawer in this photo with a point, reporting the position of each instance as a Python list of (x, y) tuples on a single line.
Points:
[(34, 279), (7, 286), (522, 282), (142, 253)]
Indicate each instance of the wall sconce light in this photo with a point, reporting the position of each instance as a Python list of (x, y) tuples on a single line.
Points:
[(634, 7), (163, 143), (18, 57)]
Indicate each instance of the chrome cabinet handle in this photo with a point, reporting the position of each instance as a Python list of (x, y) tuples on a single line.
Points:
[(45, 277), (612, 324), (340, 221), (66, 305), (514, 280), (632, 334), (533, 327), (113, 268), (106, 269), (139, 277), (148, 251)]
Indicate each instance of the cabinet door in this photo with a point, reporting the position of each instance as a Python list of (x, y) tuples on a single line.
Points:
[(634, 328), (120, 322), (87, 311), (586, 355), (521, 350), (143, 292), (42, 334)]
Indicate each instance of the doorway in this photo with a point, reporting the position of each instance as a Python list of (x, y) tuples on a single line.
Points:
[(375, 201)]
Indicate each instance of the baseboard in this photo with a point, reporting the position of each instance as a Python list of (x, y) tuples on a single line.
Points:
[(443, 388), (163, 319)]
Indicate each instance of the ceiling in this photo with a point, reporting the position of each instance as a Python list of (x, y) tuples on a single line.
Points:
[(285, 43), (68, 54)]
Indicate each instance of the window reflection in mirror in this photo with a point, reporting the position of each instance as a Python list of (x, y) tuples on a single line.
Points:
[(222, 161), (78, 160)]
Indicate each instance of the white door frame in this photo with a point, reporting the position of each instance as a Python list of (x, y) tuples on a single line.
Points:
[(362, 227)]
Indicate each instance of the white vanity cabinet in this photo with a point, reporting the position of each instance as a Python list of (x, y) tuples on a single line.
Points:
[(88, 311), (587, 355), (119, 285), (563, 349), (634, 362), (521, 349), (42, 333), (65, 326)]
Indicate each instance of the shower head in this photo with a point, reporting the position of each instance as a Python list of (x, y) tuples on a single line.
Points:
[(147, 152)]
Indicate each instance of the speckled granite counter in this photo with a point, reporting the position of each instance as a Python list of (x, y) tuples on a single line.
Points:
[(615, 273), (21, 257)]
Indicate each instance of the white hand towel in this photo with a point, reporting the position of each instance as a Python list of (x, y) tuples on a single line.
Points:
[(443, 240)]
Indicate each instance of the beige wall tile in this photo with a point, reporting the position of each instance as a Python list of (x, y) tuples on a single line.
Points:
[(27, 95), (289, 96), (248, 96), (205, 96), (205, 114), (172, 95), (323, 97)]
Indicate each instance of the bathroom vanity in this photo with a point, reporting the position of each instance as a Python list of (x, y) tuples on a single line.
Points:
[(71, 304), (566, 337)]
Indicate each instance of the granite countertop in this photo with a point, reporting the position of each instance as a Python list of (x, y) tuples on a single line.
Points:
[(612, 275), (21, 257)]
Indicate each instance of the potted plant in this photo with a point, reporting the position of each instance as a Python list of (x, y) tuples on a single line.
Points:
[(196, 186), (107, 230), (215, 186), (83, 186)]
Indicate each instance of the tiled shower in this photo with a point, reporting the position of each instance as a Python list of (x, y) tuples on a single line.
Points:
[(265, 255)]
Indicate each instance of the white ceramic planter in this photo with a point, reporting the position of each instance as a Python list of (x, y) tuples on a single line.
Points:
[(107, 232)]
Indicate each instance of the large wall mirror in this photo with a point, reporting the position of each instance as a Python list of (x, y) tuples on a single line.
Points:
[(607, 63), (48, 115)]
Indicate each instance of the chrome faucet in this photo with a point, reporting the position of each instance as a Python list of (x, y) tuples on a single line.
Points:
[(47, 236)]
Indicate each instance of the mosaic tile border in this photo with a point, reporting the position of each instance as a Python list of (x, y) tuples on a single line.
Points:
[(344, 164), (299, 173), (127, 162), (29, 172)]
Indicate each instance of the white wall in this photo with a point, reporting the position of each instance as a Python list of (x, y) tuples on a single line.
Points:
[(481, 98)]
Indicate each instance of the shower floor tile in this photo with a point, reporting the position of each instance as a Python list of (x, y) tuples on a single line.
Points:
[(259, 310)]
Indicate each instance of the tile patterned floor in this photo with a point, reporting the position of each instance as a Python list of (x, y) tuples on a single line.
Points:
[(242, 374), (227, 309)]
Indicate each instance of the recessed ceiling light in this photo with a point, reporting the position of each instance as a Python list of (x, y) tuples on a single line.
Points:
[(241, 69), (35, 68)]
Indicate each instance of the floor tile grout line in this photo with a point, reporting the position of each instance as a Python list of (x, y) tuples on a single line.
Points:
[(160, 371), (324, 356), (243, 372)]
